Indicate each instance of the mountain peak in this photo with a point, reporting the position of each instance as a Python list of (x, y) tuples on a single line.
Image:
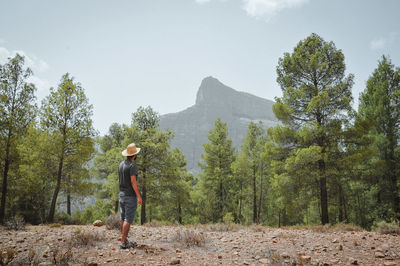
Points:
[(212, 91)]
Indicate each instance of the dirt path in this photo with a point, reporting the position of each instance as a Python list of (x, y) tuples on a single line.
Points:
[(202, 245)]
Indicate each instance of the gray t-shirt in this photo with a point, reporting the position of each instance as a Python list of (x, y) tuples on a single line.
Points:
[(126, 169)]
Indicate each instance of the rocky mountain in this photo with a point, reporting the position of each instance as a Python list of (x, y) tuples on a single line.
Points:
[(215, 100)]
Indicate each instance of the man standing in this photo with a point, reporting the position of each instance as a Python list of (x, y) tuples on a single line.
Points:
[(129, 195)]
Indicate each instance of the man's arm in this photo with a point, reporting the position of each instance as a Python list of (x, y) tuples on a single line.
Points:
[(136, 189)]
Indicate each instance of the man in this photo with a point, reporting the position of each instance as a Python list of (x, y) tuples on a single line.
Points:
[(129, 195)]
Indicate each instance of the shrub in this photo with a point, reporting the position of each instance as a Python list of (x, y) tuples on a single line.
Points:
[(345, 227), (228, 218), (387, 228), (55, 225), (99, 211), (113, 222), (15, 223), (190, 238), (63, 218)]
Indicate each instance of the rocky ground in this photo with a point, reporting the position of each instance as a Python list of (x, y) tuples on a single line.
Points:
[(197, 245)]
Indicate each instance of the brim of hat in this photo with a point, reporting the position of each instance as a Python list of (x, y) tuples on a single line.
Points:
[(125, 152)]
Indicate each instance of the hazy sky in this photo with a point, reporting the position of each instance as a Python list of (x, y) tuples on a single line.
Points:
[(132, 53)]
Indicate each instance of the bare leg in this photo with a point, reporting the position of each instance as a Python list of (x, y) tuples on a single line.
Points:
[(125, 230)]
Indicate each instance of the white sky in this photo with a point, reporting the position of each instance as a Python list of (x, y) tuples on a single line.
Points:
[(135, 53)]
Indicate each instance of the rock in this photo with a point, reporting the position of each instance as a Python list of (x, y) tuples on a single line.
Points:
[(353, 261), (379, 254), (335, 241), (389, 263), (219, 257), (175, 262), (340, 247), (285, 255), (305, 258), (264, 261), (98, 223), (178, 250)]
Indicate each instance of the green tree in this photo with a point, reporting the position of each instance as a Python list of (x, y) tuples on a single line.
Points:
[(315, 103), (106, 162), (253, 169), (152, 158), (66, 113), (380, 102), (217, 172), (38, 160), (17, 109)]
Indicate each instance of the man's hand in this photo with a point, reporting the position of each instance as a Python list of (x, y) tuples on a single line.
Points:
[(139, 201)]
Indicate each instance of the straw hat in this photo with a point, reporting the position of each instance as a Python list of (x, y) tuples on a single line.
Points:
[(131, 150)]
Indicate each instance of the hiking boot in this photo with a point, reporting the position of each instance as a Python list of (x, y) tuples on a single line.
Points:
[(127, 244)]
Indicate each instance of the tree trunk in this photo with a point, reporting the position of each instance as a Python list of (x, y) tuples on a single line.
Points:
[(260, 201), (179, 213), (240, 203), (221, 201), (324, 193), (116, 206), (5, 176), (56, 190), (254, 196), (341, 204), (69, 204), (144, 194)]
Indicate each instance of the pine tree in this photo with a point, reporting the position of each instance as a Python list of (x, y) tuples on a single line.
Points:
[(316, 101), (215, 178), (17, 110), (66, 114), (380, 102)]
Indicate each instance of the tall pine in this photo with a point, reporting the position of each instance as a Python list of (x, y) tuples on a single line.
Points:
[(380, 103), (315, 103)]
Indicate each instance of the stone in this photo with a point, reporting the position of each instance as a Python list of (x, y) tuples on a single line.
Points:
[(219, 257), (98, 223), (389, 263), (379, 254), (335, 241), (305, 258), (264, 261), (353, 261), (175, 262)]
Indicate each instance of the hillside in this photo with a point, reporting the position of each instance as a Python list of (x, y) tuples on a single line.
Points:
[(215, 100), (198, 245)]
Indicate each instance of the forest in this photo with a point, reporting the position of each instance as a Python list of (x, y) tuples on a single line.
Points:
[(325, 163)]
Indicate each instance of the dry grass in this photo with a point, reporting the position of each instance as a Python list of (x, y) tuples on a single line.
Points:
[(7, 255), (189, 237), (257, 228), (220, 227), (327, 228), (84, 238), (55, 225), (153, 223), (383, 227)]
